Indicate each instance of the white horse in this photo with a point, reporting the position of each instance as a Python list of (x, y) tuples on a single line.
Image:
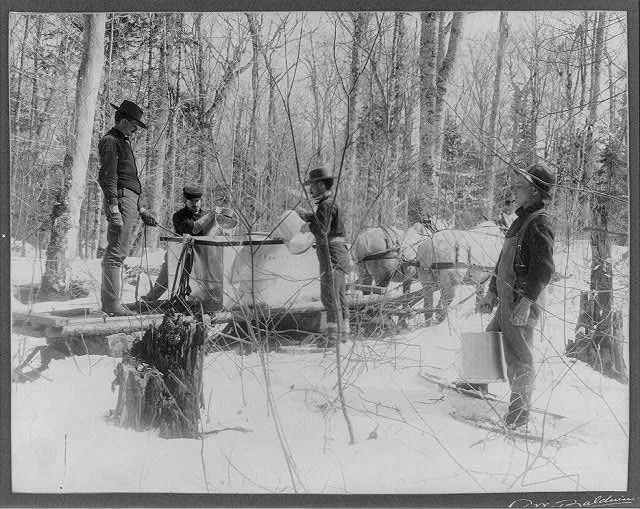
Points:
[(385, 254), (451, 257)]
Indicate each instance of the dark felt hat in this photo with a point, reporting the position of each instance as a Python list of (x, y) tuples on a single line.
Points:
[(541, 176), (319, 174), (131, 110), (191, 192)]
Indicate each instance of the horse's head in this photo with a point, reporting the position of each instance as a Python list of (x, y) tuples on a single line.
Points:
[(422, 229)]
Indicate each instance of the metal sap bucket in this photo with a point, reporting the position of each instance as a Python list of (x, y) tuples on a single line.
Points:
[(225, 223), (483, 357), (288, 225), (288, 229)]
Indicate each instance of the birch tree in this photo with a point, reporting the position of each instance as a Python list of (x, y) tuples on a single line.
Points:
[(433, 87), (65, 215), (503, 32), (601, 347)]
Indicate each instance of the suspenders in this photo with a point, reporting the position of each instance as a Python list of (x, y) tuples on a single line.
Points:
[(522, 230)]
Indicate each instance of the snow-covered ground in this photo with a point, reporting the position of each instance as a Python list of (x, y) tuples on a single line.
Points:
[(63, 442)]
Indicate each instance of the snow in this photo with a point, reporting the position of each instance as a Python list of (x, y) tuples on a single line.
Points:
[(405, 441)]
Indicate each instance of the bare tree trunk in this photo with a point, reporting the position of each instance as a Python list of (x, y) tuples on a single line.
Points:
[(397, 98), (269, 184), (442, 80), (15, 130), (249, 188), (427, 61), (433, 87), (503, 32), (95, 210), (200, 77), (359, 25), (15, 125), (164, 106), (65, 216), (237, 158), (601, 349), (35, 98), (317, 127), (409, 174)]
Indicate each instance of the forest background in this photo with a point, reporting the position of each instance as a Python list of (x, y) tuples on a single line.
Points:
[(419, 115)]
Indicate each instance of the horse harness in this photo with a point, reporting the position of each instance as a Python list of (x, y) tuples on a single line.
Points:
[(460, 265), (392, 249)]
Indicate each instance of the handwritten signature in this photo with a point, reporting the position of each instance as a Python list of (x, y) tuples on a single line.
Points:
[(599, 501)]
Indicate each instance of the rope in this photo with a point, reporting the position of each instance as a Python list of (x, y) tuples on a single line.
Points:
[(181, 277), (143, 254)]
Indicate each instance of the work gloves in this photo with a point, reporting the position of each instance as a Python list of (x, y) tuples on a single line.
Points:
[(147, 218), (520, 314), (487, 303), (115, 219)]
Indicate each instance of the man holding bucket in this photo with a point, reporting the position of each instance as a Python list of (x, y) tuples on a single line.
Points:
[(191, 220), (524, 269), (327, 227)]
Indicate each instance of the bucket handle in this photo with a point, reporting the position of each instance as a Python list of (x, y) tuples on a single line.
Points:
[(232, 214)]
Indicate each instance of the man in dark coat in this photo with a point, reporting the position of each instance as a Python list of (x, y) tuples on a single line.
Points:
[(524, 269), (191, 220), (118, 178), (327, 226)]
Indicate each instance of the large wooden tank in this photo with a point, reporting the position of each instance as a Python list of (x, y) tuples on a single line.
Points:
[(235, 270)]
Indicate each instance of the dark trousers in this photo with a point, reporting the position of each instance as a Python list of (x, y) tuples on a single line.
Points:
[(337, 309), (518, 352), (333, 258), (119, 243)]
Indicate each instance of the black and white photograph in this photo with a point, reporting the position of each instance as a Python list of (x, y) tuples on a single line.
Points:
[(321, 252)]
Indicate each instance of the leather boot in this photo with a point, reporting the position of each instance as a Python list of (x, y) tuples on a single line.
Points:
[(110, 292), (518, 413), (330, 340)]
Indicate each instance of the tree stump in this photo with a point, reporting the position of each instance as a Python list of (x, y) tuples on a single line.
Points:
[(161, 379), (599, 340)]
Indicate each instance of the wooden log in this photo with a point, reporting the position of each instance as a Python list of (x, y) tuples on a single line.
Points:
[(55, 326)]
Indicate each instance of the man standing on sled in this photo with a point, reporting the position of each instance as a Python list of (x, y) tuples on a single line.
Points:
[(524, 269), (327, 227)]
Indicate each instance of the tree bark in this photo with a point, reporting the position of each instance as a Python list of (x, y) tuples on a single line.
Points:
[(442, 80), (65, 216), (503, 32), (600, 348), (250, 178), (427, 61), (160, 149), (317, 127), (160, 381), (350, 157), (433, 88)]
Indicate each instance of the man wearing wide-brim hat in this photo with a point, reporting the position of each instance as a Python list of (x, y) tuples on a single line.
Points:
[(327, 226), (525, 267), (118, 178)]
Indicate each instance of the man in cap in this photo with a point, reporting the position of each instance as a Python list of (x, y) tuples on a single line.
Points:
[(118, 178), (525, 267), (327, 227), (191, 220)]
